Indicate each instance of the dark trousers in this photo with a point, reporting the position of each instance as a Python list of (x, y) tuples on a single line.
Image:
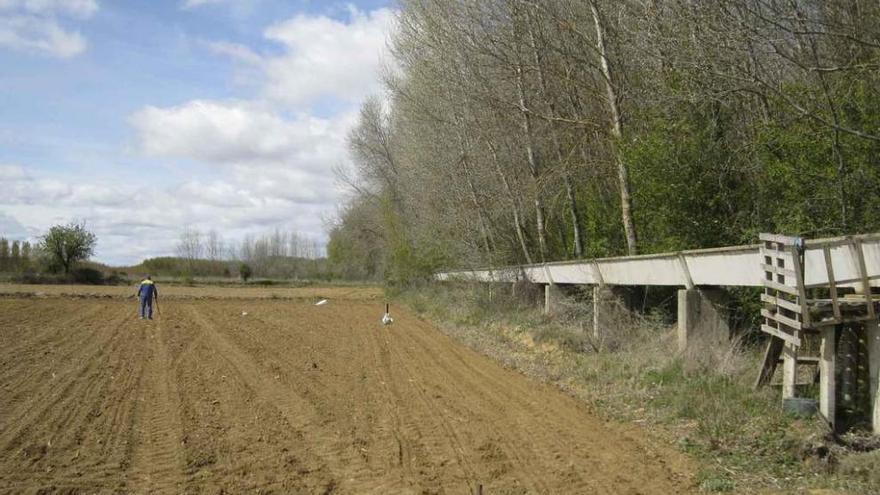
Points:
[(146, 307)]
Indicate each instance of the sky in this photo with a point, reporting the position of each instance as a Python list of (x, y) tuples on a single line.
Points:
[(144, 117)]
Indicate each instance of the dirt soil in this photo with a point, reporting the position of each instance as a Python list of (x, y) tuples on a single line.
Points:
[(290, 398), (184, 292)]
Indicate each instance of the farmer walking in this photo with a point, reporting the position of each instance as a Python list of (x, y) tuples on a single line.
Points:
[(147, 291)]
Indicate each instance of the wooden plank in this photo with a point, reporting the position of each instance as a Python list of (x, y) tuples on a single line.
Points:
[(828, 243), (772, 284), (775, 254), (846, 282), (872, 331), (794, 324), (841, 241), (806, 360), (789, 370), (771, 361), (799, 280), (826, 323), (778, 270), (782, 303), (777, 238), (827, 384), (832, 285), (863, 273), (792, 339)]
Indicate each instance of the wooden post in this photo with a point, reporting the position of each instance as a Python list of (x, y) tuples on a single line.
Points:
[(789, 370), (872, 333), (771, 361), (827, 384)]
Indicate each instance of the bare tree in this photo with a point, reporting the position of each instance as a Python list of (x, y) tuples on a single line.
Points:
[(214, 248), (190, 247)]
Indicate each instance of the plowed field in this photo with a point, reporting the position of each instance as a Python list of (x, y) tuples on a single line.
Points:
[(291, 398)]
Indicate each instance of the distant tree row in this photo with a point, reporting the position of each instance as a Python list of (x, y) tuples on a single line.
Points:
[(15, 256), (59, 251), (526, 131), (194, 244), (279, 254)]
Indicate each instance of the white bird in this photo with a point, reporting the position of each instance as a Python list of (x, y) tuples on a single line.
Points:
[(321, 302), (386, 318)]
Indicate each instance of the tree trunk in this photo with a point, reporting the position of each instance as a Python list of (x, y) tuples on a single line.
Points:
[(485, 231), (514, 206), (616, 134), (488, 241), (577, 245), (534, 166)]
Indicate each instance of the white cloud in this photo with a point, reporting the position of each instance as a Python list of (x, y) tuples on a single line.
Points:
[(271, 157), (21, 188), (82, 9), (11, 173), (275, 157), (190, 4), (236, 51), (241, 133), (136, 221), (41, 35), (328, 58), (33, 25), (276, 170), (323, 58)]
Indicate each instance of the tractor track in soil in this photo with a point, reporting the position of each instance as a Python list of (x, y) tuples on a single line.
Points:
[(291, 398)]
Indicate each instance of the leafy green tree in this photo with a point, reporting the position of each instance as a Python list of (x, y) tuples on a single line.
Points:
[(25, 255), (15, 256), (245, 271), (65, 245), (4, 254)]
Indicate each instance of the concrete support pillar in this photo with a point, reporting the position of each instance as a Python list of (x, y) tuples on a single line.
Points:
[(872, 333), (827, 383), (603, 298), (700, 315), (789, 371), (551, 298)]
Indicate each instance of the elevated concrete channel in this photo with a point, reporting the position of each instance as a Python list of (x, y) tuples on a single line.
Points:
[(851, 262)]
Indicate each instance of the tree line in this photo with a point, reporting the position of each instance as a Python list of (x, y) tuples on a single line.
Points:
[(15, 256), (56, 257), (519, 131), (276, 254)]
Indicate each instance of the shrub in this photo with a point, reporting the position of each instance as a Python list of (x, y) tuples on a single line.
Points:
[(245, 271), (116, 278), (87, 276)]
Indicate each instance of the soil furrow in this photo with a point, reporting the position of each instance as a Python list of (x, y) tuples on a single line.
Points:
[(280, 396)]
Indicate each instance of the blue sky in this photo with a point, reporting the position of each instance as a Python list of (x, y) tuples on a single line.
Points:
[(143, 117)]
